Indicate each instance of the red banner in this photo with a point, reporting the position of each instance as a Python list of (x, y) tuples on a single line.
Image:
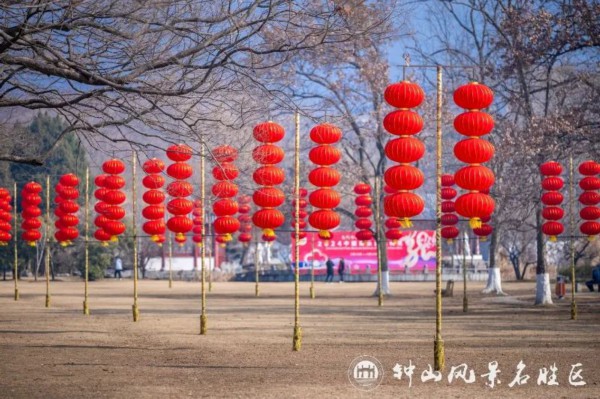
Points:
[(413, 252)]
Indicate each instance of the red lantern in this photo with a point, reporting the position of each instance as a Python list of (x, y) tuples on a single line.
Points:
[(474, 178), (153, 181), (552, 183), (179, 153), (552, 198), (474, 124), (552, 229), (404, 177), (324, 220), (553, 213), (324, 176), (363, 200), (363, 212), (450, 233), (268, 132), (364, 235), (153, 165), (475, 206), (224, 189), (180, 170), (69, 180), (363, 223), (226, 225), (152, 212), (405, 149), (590, 183), (447, 180), (449, 219), (268, 197), (325, 198), (403, 123), (448, 193), (180, 225), (393, 235), (473, 96), (269, 176), (392, 223), (590, 213), (362, 189), (404, 95), (589, 198), (589, 168), (153, 197), (180, 188), (114, 228), (268, 154), (590, 228), (225, 153), (245, 237), (268, 220), (113, 167), (112, 182), (551, 168), (474, 150), (325, 133), (403, 205), (114, 197), (484, 231), (180, 206), (225, 207), (325, 155)]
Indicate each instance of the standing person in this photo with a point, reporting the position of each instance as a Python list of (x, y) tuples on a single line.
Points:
[(329, 265), (118, 267), (341, 267)]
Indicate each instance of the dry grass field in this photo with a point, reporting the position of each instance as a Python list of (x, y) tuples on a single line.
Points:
[(59, 353)]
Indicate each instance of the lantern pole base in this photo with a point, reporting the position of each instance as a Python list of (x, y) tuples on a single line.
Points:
[(256, 290), (16, 294), (465, 304), (86, 308), (170, 283), (203, 324), (136, 312), (209, 286), (47, 301), (312, 292), (573, 310), (297, 338), (438, 354)]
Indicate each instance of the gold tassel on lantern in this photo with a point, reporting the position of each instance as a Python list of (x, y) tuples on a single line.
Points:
[(475, 223), (269, 233), (553, 238), (324, 234), (405, 223)]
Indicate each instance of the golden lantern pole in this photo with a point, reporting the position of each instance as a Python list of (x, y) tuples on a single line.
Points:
[(572, 239), (464, 267), (378, 242), (16, 265), (170, 260), (312, 267), (86, 308), (438, 344), (203, 318), (135, 309), (256, 275), (47, 268), (297, 329)]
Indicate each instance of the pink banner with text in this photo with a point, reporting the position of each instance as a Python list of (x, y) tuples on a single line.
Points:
[(413, 252)]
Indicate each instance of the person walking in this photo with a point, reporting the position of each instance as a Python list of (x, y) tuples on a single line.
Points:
[(118, 267), (595, 278), (329, 265), (341, 267)]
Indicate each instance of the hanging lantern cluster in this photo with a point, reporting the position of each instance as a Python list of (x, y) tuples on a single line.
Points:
[(225, 189), (65, 212), (552, 183), (100, 207), (31, 212), (179, 206), (590, 184), (325, 198), (363, 200), (154, 197), (405, 149), (475, 178), (268, 197), (449, 218), (392, 224), (197, 222), (245, 219), (302, 215), (5, 216), (113, 197)]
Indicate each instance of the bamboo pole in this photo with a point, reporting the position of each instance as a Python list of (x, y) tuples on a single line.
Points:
[(256, 276), (214, 248), (312, 267), (15, 243), (86, 308), (135, 309), (47, 263), (170, 261), (464, 267), (378, 240), (572, 239), (297, 342), (438, 344), (203, 318)]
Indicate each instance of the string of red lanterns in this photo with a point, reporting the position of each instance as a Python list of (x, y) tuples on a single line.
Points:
[(474, 178), (406, 149), (363, 200), (114, 197), (197, 222), (325, 198), (392, 224), (245, 219), (225, 207), (31, 211), (302, 215), (154, 197), (552, 183), (100, 207), (179, 206), (5, 216), (590, 184), (268, 175), (67, 220), (449, 218)]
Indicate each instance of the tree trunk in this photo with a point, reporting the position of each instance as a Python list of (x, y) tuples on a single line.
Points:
[(381, 248), (494, 282), (543, 294)]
